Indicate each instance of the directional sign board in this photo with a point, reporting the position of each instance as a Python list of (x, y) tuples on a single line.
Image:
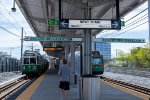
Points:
[(89, 24), (118, 40), (51, 39)]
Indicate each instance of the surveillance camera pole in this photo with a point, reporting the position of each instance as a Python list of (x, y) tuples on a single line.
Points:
[(14, 4), (13, 8)]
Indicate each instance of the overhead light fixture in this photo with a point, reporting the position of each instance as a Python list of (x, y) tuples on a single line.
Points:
[(13, 9), (84, 1)]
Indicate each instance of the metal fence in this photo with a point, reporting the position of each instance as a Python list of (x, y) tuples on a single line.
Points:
[(8, 64)]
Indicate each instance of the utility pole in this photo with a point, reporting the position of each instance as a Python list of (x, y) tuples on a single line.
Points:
[(116, 53), (11, 51), (32, 47), (21, 48), (149, 19)]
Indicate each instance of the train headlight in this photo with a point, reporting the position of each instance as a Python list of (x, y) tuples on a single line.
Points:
[(24, 67), (34, 67)]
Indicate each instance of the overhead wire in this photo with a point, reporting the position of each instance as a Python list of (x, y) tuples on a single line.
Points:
[(137, 21), (5, 29), (12, 24), (128, 28), (137, 14), (12, 17), (132, 28), (9, 31), (132, 23), (10, 13), (10, 21)]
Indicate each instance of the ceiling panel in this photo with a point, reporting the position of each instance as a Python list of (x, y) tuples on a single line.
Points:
[(37, 12)]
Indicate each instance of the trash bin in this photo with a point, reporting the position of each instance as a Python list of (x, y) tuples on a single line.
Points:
[(90, 87)]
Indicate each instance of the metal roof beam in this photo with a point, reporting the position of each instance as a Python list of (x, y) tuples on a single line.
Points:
[(41, 20)]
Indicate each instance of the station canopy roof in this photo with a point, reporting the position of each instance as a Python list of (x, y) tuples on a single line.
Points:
[(37, 13)]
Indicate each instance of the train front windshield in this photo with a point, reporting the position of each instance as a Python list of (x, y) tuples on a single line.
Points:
[(97, 61), (29, 60)]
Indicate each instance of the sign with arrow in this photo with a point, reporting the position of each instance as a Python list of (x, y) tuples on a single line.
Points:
[(64, 24), (89, 24), (115, 24)]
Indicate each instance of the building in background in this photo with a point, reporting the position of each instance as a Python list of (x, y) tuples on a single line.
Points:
[(104, 48)]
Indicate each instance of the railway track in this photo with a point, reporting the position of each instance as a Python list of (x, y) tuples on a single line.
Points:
[(134, 87), (11, 87)]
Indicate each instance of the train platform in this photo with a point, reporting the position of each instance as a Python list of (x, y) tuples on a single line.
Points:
[(46, 87)]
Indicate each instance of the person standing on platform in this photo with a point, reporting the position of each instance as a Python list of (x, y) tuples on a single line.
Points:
[(64, 74)]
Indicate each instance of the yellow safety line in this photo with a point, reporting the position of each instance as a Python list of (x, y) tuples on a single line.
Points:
[(132, 92), (26, 95)]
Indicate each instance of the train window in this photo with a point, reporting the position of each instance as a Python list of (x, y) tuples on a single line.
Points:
[(32, 60), (26, 61), (96, 60)]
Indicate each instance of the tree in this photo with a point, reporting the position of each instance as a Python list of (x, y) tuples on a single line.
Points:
[(139, 57), (123, 57)]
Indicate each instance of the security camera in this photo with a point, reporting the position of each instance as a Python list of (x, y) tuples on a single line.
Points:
[(13, 9)]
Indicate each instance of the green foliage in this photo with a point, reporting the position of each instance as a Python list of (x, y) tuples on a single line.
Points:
[(138, 57), (124, 57)]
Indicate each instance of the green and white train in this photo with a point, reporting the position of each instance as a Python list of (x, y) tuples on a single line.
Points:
[(96, 60), (34, 64)]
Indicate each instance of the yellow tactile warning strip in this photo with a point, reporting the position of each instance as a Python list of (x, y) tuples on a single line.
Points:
[(26, 95), (140, 95)]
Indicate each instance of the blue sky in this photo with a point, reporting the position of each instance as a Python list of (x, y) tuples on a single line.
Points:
[(13, 21)]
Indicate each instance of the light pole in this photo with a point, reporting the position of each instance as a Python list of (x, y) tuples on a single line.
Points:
[(32, 47), (11, 51), (149, 19), (116, 53), (21, 49)]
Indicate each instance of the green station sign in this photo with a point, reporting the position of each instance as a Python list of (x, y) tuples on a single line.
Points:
[(27, 38), (123, 23), (47, 39), (118, 40), (53, 22), (112, 40)]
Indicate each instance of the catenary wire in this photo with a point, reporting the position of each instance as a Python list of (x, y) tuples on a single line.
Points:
[(127, 21)]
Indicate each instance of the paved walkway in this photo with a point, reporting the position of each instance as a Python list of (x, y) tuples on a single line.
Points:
[(46, 87), (49, 88)]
